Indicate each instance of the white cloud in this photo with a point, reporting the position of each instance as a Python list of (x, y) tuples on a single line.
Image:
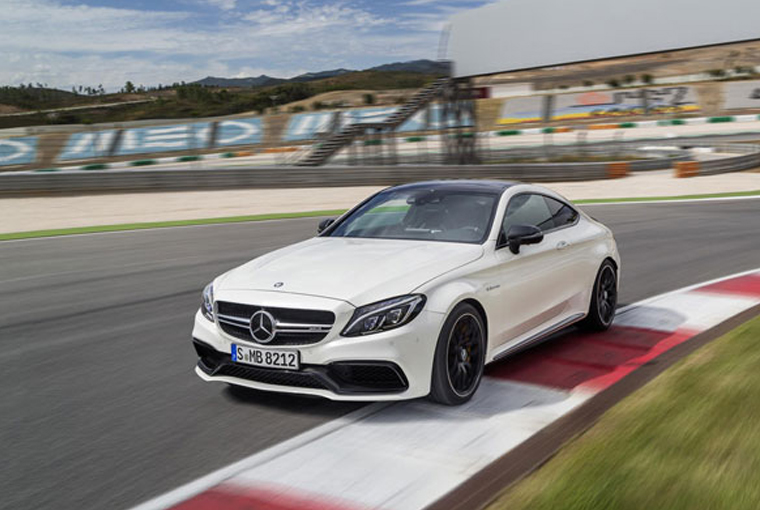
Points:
[(302, 18), (226, 5), (46, 41), (44, 25)]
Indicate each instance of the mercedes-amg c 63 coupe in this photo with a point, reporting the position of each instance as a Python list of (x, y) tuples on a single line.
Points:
[(410, 294)]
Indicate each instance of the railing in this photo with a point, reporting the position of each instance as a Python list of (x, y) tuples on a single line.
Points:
[(325, 150)]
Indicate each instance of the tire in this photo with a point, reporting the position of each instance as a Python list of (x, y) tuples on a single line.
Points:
[(601, 313), (459, 357)]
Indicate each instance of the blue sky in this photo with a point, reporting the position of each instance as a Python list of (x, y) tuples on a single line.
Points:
[(90, 42)]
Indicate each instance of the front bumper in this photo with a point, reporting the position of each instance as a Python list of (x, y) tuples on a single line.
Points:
[(392, 365)]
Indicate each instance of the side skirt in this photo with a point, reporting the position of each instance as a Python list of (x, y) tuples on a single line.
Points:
[(538, 337)]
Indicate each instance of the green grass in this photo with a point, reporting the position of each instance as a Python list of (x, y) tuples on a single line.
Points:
[(687, 440), (165, 224), (676, 197), (309, 214)]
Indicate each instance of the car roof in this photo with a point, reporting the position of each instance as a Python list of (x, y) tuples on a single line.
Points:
[(496, 187)]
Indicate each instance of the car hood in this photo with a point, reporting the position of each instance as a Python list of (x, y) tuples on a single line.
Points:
[(359, 271)]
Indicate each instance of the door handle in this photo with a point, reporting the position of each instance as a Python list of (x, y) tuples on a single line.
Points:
[(562, 245)]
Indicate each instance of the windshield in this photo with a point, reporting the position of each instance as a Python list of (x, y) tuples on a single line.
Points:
[(422, 215)]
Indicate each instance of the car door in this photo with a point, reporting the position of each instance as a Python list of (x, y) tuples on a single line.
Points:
[(574, 265), (529, 295)]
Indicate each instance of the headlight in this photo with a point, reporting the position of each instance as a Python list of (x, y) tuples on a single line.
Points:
[(384, 315), (207, 307)]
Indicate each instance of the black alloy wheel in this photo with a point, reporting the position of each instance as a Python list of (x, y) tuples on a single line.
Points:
[(604, 299), (460, 357)]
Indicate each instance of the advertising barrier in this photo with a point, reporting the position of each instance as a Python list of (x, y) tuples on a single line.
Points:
[(165, 139), (306, 126), (18, 151), (239, 132), (182, 137), (89, 145), (741, 95), (523, 109), (623, 103)]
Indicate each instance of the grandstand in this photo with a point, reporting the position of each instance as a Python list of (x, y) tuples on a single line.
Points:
[(516, 65)]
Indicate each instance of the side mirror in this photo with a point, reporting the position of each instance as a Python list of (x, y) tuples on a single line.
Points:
[(519, 235), (324, 224)]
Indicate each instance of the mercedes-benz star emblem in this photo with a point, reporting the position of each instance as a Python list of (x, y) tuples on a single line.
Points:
[(263, 327)]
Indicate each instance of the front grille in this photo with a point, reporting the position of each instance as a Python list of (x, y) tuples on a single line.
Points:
[(296, 326), (343, 378), (369, 376), (274, 377)]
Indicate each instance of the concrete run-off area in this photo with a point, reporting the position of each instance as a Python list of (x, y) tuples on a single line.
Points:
[(410, 455), (43, 213)]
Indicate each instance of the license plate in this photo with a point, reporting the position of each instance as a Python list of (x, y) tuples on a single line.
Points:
[(288, 360)]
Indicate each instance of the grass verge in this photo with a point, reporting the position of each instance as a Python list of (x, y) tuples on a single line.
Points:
[(675, 197), (309, 214), (689, 439), (165, 224)]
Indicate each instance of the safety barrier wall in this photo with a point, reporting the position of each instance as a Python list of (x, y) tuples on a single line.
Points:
[(744, 157), (726, 165), (747, 157), (281, 177), (658, 150), (298, 177)]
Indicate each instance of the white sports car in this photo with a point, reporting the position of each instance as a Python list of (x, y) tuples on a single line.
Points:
[(410, 294)]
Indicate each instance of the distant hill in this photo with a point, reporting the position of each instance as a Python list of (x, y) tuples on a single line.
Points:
[(321, 75), (416, 66), (260, 81)]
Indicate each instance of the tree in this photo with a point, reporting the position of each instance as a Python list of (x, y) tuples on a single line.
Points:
[(369, 98)]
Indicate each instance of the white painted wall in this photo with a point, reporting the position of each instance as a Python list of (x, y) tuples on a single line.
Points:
[(522, 34)]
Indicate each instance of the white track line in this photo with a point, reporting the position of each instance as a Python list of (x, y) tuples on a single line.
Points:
[(210, 480)]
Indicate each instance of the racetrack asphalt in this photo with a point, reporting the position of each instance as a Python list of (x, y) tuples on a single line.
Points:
[(101, 408)]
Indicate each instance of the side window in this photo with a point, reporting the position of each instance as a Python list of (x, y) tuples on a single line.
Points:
[(562, 214), (538, 211), (528, 209)]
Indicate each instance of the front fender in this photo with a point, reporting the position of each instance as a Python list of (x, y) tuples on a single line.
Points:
[(443, 298)]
